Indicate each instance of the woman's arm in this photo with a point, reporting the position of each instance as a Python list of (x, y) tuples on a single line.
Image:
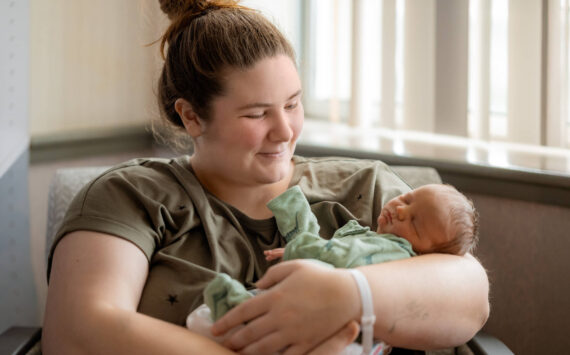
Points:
[(95, 287), (431, 301), (426, 302)]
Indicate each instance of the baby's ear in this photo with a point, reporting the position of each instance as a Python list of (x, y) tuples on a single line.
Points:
[(193, 124)]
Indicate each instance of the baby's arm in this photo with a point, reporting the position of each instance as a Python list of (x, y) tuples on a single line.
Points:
[(273, 254)]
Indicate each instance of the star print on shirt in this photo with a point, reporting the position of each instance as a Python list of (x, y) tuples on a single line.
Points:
[(172, 299)]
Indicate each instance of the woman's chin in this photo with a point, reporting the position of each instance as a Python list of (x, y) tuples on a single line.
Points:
[(274, 170)]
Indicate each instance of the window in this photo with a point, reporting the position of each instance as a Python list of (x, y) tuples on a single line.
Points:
[(489, 76)]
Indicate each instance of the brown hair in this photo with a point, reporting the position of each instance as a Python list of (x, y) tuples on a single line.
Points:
[(464, 220), (204, 39)]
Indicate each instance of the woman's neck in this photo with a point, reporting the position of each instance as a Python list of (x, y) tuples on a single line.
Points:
[(251, 199)]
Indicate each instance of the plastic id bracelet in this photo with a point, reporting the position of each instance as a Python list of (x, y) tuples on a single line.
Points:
[(368, 317)]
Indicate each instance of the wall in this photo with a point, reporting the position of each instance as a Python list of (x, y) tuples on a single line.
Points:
[(91, 66), (17, 292), (524, 246)]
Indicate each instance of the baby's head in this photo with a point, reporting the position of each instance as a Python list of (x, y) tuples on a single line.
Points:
[(434, 218)]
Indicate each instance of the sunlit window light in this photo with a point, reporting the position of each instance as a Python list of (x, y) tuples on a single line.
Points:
[(371, 61), (399, 93), (475, 74), (499, 67), (398, 146), (471, 155), (332, 31), (565, 10), (498, 156)]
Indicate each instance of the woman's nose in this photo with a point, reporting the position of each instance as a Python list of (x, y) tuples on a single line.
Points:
[(281, 130)]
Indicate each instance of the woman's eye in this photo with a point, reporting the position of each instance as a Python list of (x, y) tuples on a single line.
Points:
[(256, 115), (291, 106)]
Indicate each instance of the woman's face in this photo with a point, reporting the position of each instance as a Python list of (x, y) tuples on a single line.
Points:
[(251, 134)]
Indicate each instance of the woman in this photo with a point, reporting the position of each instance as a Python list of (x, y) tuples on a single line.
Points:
[(139, 244)]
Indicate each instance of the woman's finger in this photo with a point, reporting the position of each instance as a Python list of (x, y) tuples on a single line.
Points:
[(279, 272), (252, 332), (276, 274), (242, 313), (338, 341), (270, 344)]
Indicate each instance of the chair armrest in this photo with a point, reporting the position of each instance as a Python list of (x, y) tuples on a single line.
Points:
[(485, 344), (19, 340)]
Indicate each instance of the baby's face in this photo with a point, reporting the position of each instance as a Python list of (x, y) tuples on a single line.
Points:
[(420, 216)]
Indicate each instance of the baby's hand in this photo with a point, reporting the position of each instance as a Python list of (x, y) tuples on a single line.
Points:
[(273, 254)]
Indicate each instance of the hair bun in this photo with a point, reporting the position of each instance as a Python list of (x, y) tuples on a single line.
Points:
[(175, 8)]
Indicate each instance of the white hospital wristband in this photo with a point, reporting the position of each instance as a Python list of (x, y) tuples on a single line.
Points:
[(368, 317)]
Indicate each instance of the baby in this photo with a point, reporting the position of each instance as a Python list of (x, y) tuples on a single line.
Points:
[(433, 218)]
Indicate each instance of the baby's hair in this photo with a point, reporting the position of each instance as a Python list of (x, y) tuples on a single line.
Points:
[(464, 220)]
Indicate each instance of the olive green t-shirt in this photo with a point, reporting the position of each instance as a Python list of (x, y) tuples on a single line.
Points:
[(188, 235)]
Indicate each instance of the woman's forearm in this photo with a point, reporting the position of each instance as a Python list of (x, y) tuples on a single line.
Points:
[(95, 287), (117, 331), (429, 302)]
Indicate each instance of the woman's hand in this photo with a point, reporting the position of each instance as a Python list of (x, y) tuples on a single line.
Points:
[(307, 307)]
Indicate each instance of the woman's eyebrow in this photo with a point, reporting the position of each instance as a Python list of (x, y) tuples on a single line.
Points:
[(265, 105), (295, 94)]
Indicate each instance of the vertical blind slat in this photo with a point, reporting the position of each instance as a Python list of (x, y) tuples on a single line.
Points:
[(419, 64), (482, 71), (388, 71), (334, 105), (451, 69), (357, 70), (524, 68), (557, 104)]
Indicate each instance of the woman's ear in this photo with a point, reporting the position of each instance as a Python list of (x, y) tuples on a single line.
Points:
[(192, 122)]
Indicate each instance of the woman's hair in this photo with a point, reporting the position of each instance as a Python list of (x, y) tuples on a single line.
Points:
[(204, 40)]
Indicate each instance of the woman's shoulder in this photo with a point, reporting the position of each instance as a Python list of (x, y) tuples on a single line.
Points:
[(334, 163), (145, 174), (335, 177), (135, 200), (148, 166), (129, 184), (337, 168)]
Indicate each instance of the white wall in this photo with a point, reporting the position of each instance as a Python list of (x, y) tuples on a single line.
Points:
[(17, 291), (91, 68), (285, 14), (14, 59)]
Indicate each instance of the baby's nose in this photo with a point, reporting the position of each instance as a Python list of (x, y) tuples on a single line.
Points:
[(401, 213)]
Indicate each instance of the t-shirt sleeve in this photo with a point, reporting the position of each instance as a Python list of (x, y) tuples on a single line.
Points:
[(118, 203)]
